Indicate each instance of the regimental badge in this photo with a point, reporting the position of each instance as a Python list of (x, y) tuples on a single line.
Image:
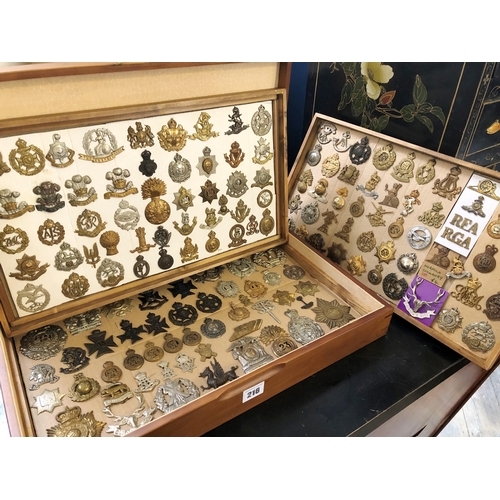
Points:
[(91, 255), (356, 265), (349, 174), (4, 168), (119, 186), (493, 307), (493, 228), (337, 253), (237, 123), (319, 192), (109, 240), (157, 211), (425, 304), (182, 315), (213, 243), (407, 263), (150, 299), (75, 358), (262, 178), (147, 166), (13, 240), (186, 228), (366, 241), (396, 228), (82, 195), (10, 208), (141, 137), (302, 328), (374, 276), (283, 297), (183, 199), (410, 200), (458, 271), (49, 199), (447, 188), (403, 171), (75, 286), (332, 313), (111, 373), (42, 374), (140, 232), (110, 273), (179, 169), (393, 287), (467, 294), (48, 400), (51, 233), (83, 388), (105, 149), (330, 166), (126, 216), (84, 321), (172, 137), (266, 224), (425, 173), (377, 219), (68, 258), (26, 160), (261, 121), (476, 207), (100, 343), (485, 262), (252, 226), (449, 319), (486, 187), (305, 180), (203, 128), (236, 155), (205, 351), (324, 132), (263, 152), (211, 220), (384, 158), (43, 343), (59, 154), (345, 231), (236, 234), (207, 164), (209, 191), (175, 393), (357, 208), (314, 156), (189, 251), (73, 424), (310, 213), (385, 252), (433, 217), (249, 353), (479, 336), (391, 199), (89, 223)]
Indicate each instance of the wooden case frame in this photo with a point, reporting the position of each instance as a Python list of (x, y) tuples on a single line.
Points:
[(372, 315), (470, 176)]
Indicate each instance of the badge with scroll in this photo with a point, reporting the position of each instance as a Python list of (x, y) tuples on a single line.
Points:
[(423, 300)]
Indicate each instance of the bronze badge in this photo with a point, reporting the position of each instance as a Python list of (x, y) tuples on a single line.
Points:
[(13, 240), (26, 160), (203, 128), (73, 424), (141, 137)]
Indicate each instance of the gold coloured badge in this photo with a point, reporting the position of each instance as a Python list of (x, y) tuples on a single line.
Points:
[(4, 168), (479, 336), (339, 201), (384, 158), (172, 137), (283, 297), (189, 251), (186, 228), (432, 217), (410, 200), (266, 224), (356, 265), (203, 128), (467, 294), (211, 219), (357, 208), (241, 212), (366, 241), (493, 228), (425, 173), (332, 313), (183, 199), (386, 252), (403, 171), (255, 289), (305, 180), (207, 163), (13, 240), (89, 223), (73, 424), (346, 229), (157, 211), (447, 188), (349, 174), (391, 199), (141, 137), (236, 155), (109, 240), (486, 187), (26, 160), (329, 216), (396, 228), (377, 219), (29, 268), (330, 166), (83, 388), (75, 286)]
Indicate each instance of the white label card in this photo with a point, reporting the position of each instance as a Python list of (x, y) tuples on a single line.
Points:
[(253, 392), (465, 224)]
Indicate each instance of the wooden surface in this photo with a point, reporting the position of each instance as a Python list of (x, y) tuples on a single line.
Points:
[(480, 416)]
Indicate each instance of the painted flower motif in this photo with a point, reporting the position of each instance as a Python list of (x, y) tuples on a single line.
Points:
[(375, 73)]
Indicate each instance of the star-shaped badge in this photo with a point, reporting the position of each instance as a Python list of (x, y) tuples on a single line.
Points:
[(209, 191), (306, 288), (48, 400)]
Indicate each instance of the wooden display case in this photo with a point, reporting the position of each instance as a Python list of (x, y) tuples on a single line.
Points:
[(417, 227), (157, 284)]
